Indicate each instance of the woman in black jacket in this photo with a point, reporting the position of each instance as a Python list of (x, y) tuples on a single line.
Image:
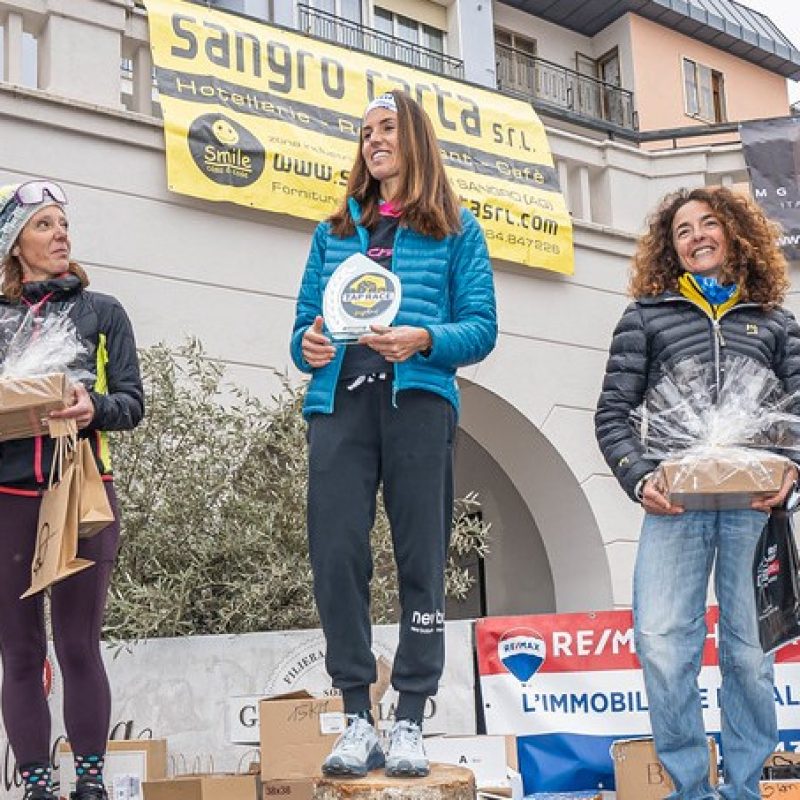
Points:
[(39, 278), (707, 282)]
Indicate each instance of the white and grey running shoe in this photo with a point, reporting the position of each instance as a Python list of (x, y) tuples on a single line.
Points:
[(356, 751), (406, 757)]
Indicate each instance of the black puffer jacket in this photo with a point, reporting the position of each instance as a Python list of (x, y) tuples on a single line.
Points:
[(656, 333), (116, 391)]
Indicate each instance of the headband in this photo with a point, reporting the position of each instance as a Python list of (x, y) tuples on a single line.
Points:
[(385, 100)]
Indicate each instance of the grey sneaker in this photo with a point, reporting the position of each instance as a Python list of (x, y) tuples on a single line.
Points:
[(356, 751), (406, 757)]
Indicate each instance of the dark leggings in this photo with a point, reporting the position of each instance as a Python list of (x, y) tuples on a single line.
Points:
[(77, 606)]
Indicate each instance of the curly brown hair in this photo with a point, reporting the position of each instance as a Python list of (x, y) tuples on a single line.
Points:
[(754, 262), (429, 203)]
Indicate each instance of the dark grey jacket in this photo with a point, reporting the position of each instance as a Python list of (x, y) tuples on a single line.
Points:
[(654, 334), (103, 326)]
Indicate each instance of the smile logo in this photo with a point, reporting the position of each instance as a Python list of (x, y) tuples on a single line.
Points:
[(522, 651), (225, 151), (225, 132), (367, 296)]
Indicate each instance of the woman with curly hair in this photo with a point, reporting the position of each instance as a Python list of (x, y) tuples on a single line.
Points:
[(707, 283)]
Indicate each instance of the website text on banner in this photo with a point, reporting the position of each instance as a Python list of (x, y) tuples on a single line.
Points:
[(264, 117), (568, 685)]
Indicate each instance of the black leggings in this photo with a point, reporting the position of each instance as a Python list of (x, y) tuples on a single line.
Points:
[(77, 606)]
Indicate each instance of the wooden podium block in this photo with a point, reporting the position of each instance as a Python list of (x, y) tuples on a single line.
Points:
[(445, 782)]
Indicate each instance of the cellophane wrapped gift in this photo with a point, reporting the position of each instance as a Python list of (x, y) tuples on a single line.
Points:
[(719, 446), (36, 372)]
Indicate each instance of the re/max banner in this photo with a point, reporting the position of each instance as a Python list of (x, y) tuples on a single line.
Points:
[(569, 685), (263, 117)]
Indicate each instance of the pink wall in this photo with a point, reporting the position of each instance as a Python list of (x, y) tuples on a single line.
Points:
[(750, 91)]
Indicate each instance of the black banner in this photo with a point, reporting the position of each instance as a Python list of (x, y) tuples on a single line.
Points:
[(772, 154)]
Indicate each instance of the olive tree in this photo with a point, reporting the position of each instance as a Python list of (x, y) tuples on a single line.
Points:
[(212, 493)]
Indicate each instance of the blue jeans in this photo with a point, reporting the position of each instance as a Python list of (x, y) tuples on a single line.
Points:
[(673, 565)]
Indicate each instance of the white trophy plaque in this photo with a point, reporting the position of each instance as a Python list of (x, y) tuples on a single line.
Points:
[(360, 293)]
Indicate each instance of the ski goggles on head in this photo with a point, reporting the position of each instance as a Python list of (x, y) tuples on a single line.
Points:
[(19, 203), (32, 193)]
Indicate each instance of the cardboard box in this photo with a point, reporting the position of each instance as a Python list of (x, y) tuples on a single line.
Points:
[(298, 731), (25, 404), (243, 710), (489, 757), (202, 787), (782, 787), (719, 482), (780, 790), (129, 763), (510, 790), (639, 775), (301, 789), (781, 758)]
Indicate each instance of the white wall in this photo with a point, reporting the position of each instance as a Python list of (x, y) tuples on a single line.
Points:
[(553, 42), (471, 35), (617, 34)]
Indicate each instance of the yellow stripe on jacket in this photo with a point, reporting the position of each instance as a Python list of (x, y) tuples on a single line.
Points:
[(690, 289), (101, 387)]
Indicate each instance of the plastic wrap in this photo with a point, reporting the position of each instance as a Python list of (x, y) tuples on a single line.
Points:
[(719, 444), (38, 367), (40, 346)]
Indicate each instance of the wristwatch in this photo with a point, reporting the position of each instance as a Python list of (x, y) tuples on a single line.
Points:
[(638, 491)]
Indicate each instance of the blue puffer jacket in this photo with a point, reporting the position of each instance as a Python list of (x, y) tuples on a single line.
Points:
[(448, 289)]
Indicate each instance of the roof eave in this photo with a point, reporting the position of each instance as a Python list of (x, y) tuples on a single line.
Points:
[(588, 17)]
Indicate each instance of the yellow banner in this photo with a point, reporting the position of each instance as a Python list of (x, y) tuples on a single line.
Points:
[(263, 117)]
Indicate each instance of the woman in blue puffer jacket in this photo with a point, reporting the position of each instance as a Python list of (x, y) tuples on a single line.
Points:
[(384, 410)]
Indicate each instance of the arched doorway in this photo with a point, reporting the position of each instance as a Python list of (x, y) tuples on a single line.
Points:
[(547, 553)]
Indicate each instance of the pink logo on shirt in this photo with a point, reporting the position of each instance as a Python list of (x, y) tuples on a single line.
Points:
[(379, 252)]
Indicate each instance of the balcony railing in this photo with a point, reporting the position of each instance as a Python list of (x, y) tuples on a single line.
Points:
[(523, 75), (359, 37)]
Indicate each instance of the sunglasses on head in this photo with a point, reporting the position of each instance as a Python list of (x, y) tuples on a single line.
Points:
[(34, 192)]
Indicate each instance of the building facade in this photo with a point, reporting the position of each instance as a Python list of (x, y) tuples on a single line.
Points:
[(77, 104)]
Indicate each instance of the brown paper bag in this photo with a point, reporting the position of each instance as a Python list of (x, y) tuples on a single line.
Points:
[(55, 556), (95, 512)]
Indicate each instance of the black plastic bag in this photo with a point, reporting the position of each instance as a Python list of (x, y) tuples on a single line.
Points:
[(777, 582)]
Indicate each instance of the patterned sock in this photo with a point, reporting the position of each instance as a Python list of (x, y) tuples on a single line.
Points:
[(36, 779), (89, 770)]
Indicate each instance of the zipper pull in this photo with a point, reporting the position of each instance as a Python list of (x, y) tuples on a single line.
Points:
[(720, 335)]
